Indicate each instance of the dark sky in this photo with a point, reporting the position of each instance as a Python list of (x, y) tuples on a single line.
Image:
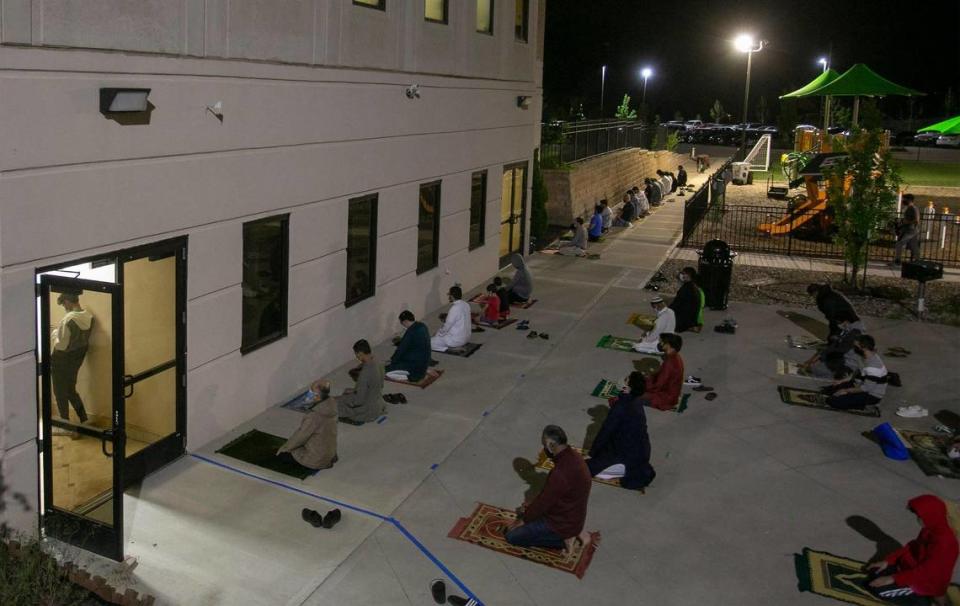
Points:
[(687, 43)]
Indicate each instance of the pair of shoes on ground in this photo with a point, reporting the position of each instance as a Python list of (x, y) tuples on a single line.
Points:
[(395, 398), (523, 325), (692, 380), (477, 329), (534, 334), (438, 589), (728, 327), (313, 517), (914, 411)]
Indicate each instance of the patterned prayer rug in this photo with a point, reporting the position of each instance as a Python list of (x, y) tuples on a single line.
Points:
[(642, 321), (803, 342), (302, 403), (485, 527), (814, 399), (260, 449), (792, 369), (605, 389), (545, 463), (841, 579), (929, 452), (616, 343), (463, 352)]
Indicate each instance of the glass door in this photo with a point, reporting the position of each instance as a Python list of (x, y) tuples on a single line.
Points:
[(82, 420), (513, 210)]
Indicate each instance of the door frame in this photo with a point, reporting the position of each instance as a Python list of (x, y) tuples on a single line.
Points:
[(514, 217)]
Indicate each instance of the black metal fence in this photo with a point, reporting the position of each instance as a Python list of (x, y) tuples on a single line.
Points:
[(810, 233), (712, 192), (567, 142)]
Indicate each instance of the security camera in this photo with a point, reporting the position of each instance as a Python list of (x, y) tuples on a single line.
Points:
[(523, 102), (413, 91)]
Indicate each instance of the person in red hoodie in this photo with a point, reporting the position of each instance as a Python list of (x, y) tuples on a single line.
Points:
[(664, 386), (924, 566), (555, 518)]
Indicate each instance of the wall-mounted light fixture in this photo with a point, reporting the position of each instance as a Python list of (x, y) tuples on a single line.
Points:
[(413, 91), (217, 110), (123, 100), (523, 102)]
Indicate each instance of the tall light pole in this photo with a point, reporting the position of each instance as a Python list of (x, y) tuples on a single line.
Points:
[(826, 100), (603, 80), (745, 44), (645, 73)]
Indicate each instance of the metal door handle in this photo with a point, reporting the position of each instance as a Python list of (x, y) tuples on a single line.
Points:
[(128, 386), (104, 436)]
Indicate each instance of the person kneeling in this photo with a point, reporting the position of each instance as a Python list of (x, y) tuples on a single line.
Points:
[(314, 445), (365, 402), (411, 360), (666, 323), (665, 385), (622, 447), (868, 385), (456, 328)]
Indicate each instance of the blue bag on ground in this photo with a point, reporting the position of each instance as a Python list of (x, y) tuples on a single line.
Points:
[(890, 442)]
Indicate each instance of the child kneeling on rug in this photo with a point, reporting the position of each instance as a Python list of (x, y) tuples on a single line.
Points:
[(924, 566)]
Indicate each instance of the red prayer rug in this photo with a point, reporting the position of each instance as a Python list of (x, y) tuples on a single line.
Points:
[(486, 525)]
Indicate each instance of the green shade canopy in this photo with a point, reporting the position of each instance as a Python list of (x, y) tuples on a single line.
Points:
[(950, 126), (861, 81), (822, 80)]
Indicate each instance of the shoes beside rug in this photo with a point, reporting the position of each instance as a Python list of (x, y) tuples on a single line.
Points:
[(313, 517)]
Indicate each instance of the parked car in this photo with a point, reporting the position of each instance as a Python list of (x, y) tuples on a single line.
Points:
[(926, 138), (691, 124), (948, 141), (674, 125)]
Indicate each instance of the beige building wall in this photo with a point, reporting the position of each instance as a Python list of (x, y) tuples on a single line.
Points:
[(314, 113)]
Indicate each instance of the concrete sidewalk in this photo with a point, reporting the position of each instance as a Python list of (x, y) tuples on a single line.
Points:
[(743, 482)]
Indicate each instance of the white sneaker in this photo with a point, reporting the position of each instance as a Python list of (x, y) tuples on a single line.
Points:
[(692, 380), (953, 454), (913, 412), (912, 407)]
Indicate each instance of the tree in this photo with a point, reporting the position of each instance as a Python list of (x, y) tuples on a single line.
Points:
[(870, 115), (623, 110), (787, 120), (861, 191), (762, 109), (840, 115), (538, 208), (716, 112), (673, 140)]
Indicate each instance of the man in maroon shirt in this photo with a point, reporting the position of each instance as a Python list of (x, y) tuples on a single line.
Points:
[(556, 516), (664, 386)]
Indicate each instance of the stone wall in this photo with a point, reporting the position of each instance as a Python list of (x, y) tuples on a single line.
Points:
[(573, 192)]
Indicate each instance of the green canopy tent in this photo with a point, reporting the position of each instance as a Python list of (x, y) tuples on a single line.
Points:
[(823, 79), (950, 126), (860, 81)]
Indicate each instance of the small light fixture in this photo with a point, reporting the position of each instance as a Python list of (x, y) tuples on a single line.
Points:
[(217, 110), (413, 91), (523, 102), (123, 100)]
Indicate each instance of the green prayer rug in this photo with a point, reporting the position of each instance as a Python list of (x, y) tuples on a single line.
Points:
[(616, 343), (929, 452), (814, 399), (606, 389), (260, 449), (840, 578)]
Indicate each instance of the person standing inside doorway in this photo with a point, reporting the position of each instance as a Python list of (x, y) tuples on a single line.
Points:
[(908, 232), (69, 343)]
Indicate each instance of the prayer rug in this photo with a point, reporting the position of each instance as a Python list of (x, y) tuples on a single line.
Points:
[(616, 343), (802, 342), (525, 304), (642, 321), (302, 403), (606, 389), (815, 327), (929, 452), (423, 383), (463, 352), (815, 399), (682, 404), (842, 579), (545, 463), (260, 449), (485, 527), (500, 324), (792, 369), (554, 251), (647, 365)]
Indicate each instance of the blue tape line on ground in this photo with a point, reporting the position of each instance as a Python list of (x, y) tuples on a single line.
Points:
[(381, 419), (434, 466), (436, 562), (396, 523)]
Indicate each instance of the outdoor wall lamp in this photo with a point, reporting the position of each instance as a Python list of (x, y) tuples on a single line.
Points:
[(523, 102), (123, 100), (413, 91)]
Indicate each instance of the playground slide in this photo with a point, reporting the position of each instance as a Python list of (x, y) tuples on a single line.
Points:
[(792, 220)]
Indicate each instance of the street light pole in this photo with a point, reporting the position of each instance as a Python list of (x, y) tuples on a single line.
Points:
[(744, 43), (603, 80), (645, 73)]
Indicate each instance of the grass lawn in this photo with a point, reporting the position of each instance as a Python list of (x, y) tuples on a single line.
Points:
[(942, 174)]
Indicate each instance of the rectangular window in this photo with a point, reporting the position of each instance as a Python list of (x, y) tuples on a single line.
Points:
[(377, 4), (485, 16), (266, 246), (361, 249), (428, 227), (522, 20), (435, 10), (478, 208)]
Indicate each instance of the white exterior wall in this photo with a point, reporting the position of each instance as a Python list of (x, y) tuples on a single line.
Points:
[(314, 114)]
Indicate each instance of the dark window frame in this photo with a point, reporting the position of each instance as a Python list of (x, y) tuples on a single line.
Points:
[(381, 5), (482, 238), (374, 200), (435, 260), (491, 24), (246, 348), (521, 32), (446, 13)]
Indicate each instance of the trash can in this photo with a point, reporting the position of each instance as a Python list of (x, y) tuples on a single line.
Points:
[(741, 173), (716, 270)]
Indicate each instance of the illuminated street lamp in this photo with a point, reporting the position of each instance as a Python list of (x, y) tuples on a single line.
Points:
[(745, 44), (603, 81), (823, 61), (645, 73)]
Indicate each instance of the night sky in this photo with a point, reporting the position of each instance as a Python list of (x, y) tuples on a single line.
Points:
[(687, 43)]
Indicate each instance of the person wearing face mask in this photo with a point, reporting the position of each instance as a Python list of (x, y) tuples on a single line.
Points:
[(555, 518), (666, 322), (687, 306), (622, 447), (456, 329), (924, 566), (869, 383), (664, 386)]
